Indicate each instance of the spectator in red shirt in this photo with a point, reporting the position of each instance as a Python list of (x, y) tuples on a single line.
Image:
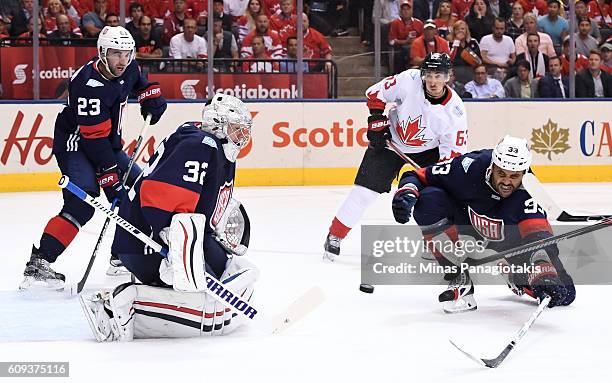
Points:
[(537, 7), (582, 61), (54, 9), (600, 12), (315, 44), (41, 29), (247, 22), (461, 8), (199, 10), (173, 23), (284, 18), (445, 18), (429, 42), (271, 7), (272, 40), (258, 51), (402, 33)]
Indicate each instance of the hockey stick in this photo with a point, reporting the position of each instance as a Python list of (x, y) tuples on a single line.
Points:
[(298, 309), (81, 283), (536, 190), (404, 157), (495, 362)]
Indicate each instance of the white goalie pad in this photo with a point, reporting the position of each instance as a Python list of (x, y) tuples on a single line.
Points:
[(186, 253), (234, 228)]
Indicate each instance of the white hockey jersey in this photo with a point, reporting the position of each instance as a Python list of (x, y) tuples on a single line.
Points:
[(416, 124)]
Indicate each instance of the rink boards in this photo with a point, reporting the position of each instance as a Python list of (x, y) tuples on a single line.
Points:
[(321, 143)]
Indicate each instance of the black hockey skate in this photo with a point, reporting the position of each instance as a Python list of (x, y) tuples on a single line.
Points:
[(331, 247), (38, 274), (459, 295)]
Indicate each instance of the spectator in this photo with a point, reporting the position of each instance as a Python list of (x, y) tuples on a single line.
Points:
[(554, 25), (173, 23), (594, 82), (480, 19), (600, 12), (484, 87), (498, 49), (147, 39), (271, 7), (523, 85), (538, 62), (514, 25), (226, 18), (272, 40), (537, 7), (136, 13), (199, 10), (465, 51), (4, 33), (445, 18), (9, 8), (258, 51), (582, 61), (54, 9), (235, 8), (111, 20), (461, 8), (315, 45), (554, 84), (425, 9), (73, 10), (584, 41), (457, 86), (500, 8), (429, 42), (606, 52), (390, 12), (247, 22), (93, 22), (188, 44), (402, 33), (284, 18), (19, 23), (226, 46), (30, 33), (582, 10), (63, 34), (292, 50), (338, 16), (546, 44)]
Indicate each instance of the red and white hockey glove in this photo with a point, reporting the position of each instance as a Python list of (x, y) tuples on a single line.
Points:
[(378, 131), (109, 181), (152, 102)]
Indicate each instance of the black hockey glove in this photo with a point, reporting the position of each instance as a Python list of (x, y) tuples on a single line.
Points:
[(152, 102), (109, 181), (378, 131), (544, 280), (403, 201)]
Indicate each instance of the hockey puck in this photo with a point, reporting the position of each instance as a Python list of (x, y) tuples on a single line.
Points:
[(364, 287)]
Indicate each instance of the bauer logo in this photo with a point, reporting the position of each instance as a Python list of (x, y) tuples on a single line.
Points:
[(489, 228), (20, 74)]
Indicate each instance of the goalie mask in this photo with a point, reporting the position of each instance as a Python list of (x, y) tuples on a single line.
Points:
[(229, 120)]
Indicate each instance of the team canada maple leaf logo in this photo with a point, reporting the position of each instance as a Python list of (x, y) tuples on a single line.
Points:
[(410, 132)]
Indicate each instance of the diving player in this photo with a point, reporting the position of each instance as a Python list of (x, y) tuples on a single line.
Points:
[(183, 199), (428, 123), (87, 144), (480, 194)]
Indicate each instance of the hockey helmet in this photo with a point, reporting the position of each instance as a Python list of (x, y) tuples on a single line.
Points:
[(512, 153), (228, 119), (115, 38), (436, 62)]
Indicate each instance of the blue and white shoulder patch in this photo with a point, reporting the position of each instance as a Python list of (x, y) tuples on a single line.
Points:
[(466, 162), (210, 142)]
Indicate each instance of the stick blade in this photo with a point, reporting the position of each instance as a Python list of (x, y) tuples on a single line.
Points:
[(475, 359), (297, 310)]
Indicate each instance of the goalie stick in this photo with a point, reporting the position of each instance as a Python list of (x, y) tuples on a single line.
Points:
[(297, 310), (495, 362), (92, 259)]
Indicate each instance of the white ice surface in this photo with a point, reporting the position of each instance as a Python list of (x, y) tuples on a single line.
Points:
[(399, 333)]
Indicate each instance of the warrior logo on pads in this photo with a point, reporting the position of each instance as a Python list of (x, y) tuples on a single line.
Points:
[(225, 193), (236, 302), (489, 228), (411, 132)]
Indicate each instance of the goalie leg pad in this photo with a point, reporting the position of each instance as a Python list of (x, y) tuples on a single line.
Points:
[(110, 314)]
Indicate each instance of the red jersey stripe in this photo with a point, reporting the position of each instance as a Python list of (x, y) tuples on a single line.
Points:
[(421, 175), (61, 229), (533, 225), (167, 197), (169, 307), (100, 130)]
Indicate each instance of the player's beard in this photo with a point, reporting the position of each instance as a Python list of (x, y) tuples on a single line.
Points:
[(507, 190)]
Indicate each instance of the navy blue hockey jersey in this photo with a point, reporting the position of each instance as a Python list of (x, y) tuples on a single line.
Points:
[(91, 120), (503, 222), (188, 173)]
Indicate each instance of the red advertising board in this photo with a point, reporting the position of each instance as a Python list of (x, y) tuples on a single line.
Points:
[(57, 64), (244, 86)]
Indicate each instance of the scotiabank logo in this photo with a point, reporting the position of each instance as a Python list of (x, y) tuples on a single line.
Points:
[(56, 73), (337, 135), (188, 89)]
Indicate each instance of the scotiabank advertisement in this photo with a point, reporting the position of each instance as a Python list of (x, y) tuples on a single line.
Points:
[(57, 64), (323, 142), (244, 86)]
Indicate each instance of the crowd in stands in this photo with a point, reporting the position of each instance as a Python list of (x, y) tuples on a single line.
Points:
[(503, 48), (177, 29)]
